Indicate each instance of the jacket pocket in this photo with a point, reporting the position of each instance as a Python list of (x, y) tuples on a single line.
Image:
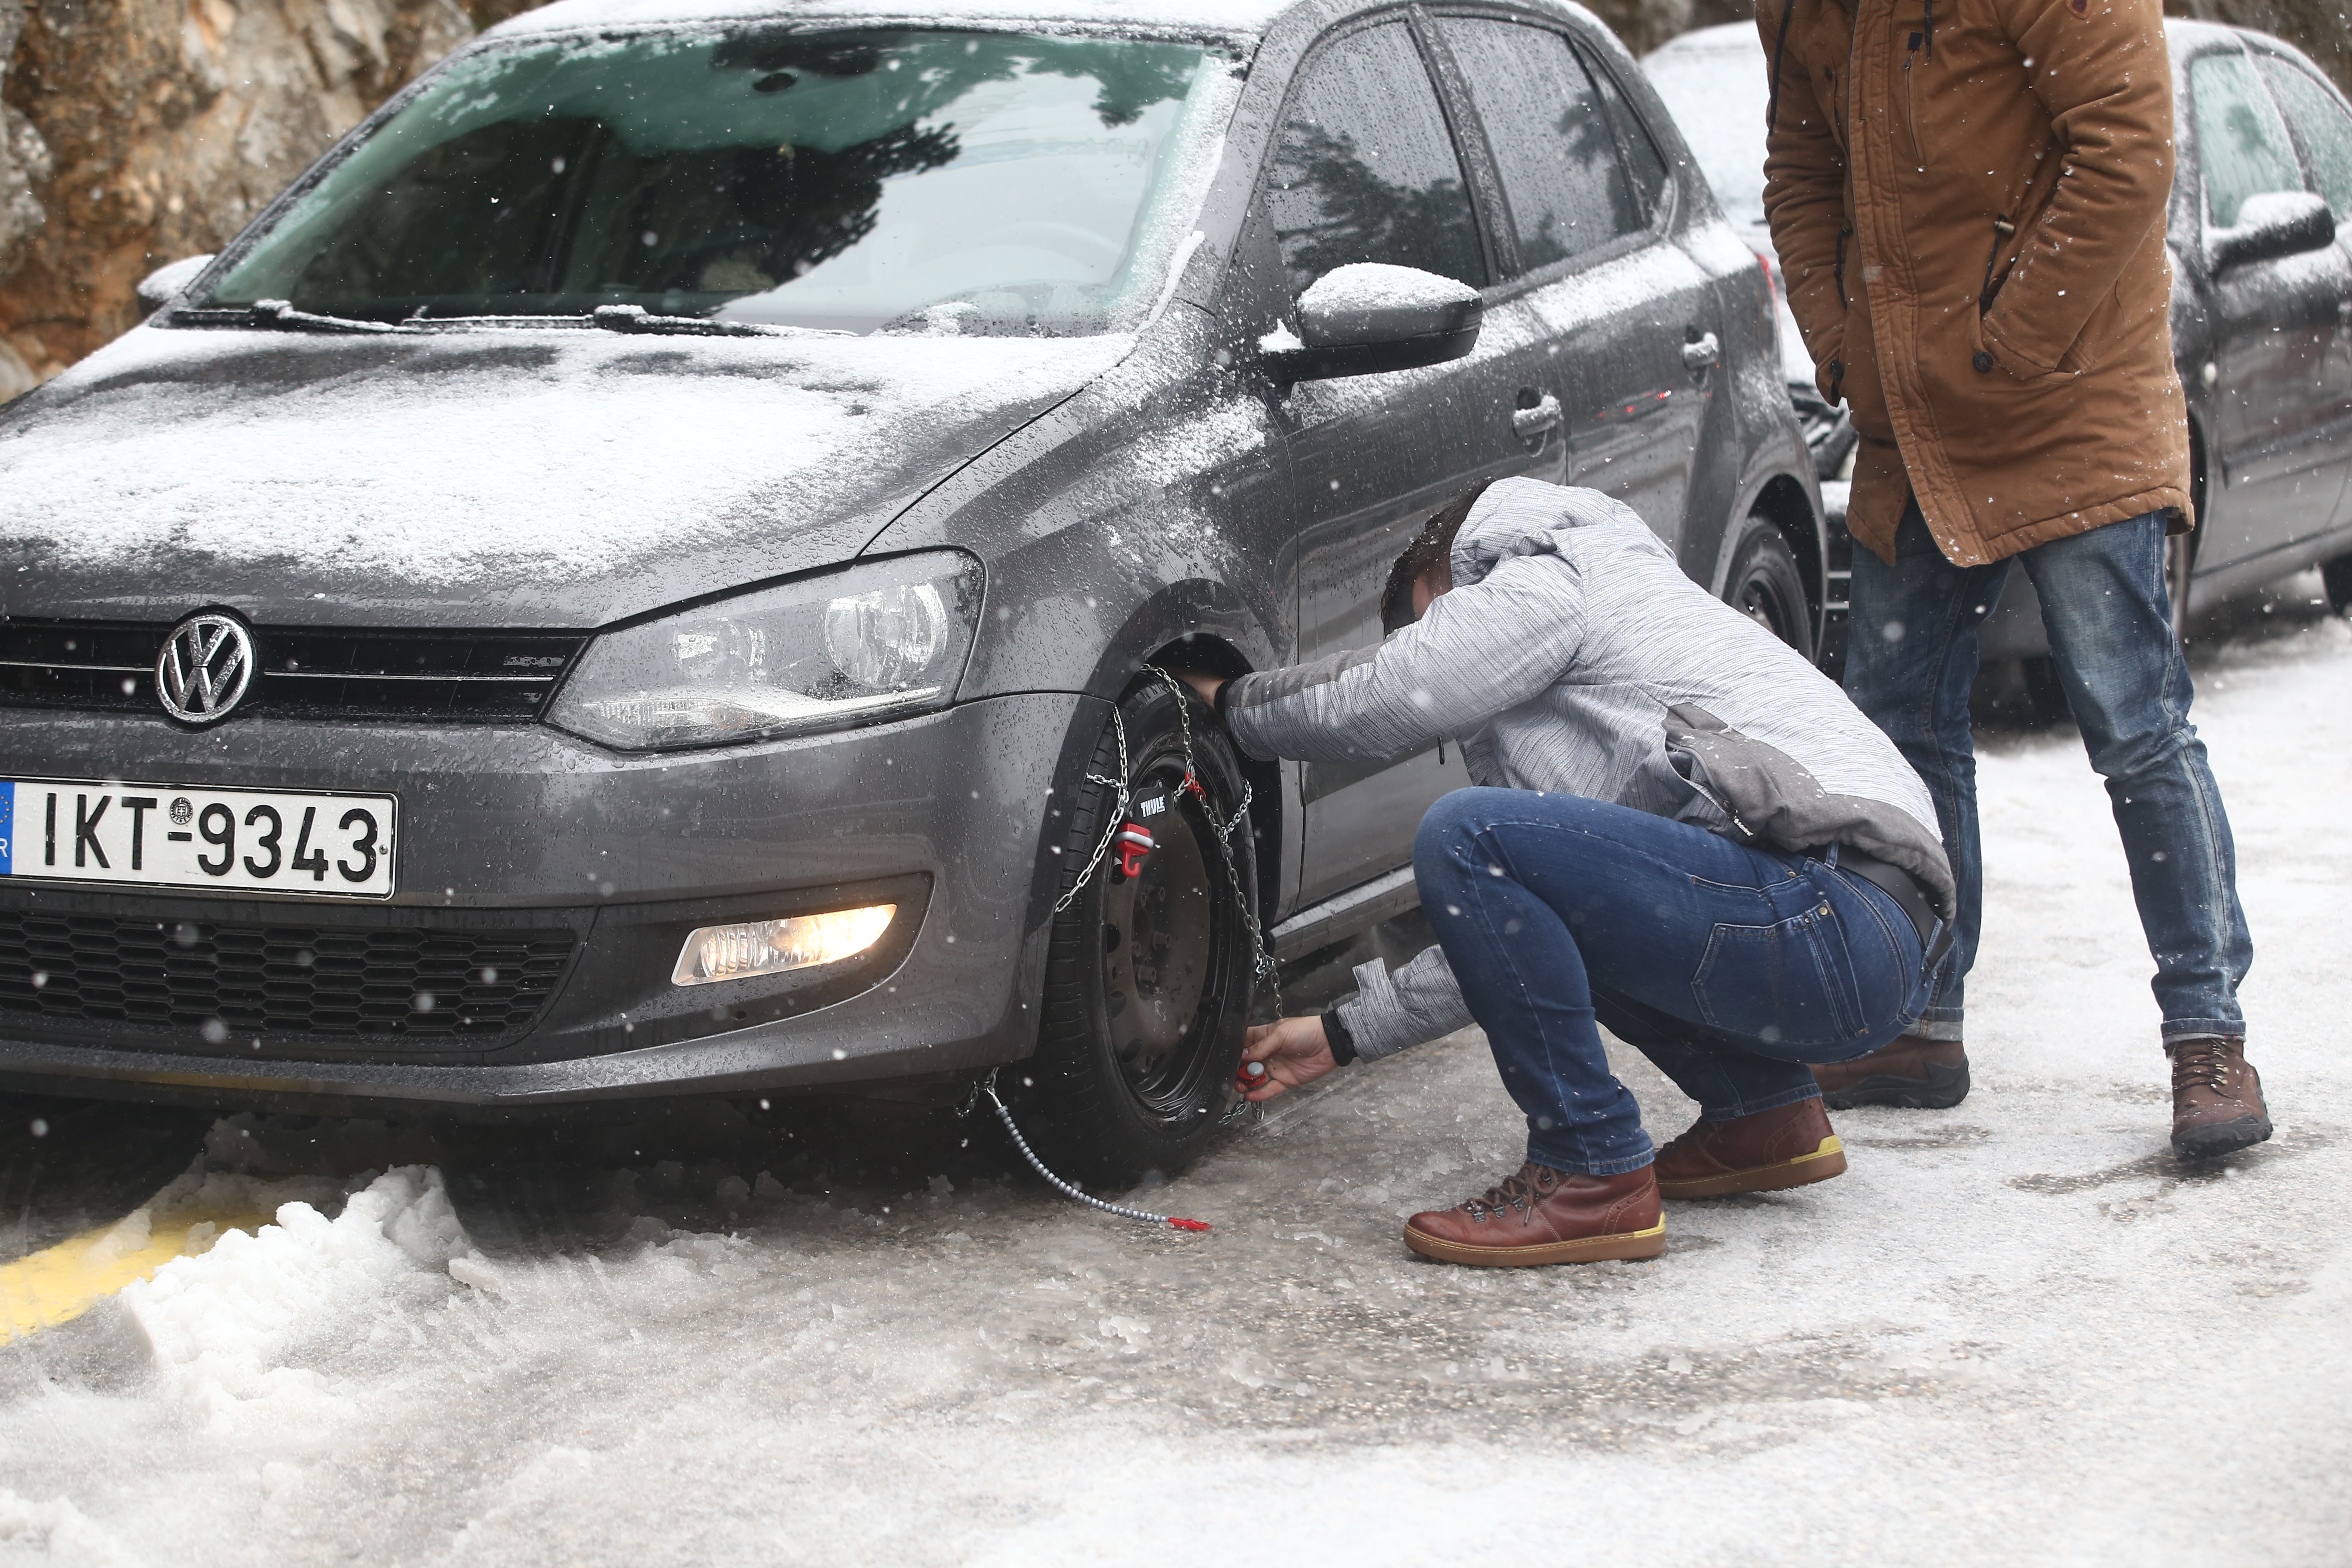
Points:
[(2093, 346), (1787, 984)]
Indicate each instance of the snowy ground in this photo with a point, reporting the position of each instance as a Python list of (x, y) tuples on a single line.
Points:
[(2015, 1332)]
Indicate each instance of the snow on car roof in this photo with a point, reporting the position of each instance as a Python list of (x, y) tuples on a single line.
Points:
[(1246, 16), (1741, 38)]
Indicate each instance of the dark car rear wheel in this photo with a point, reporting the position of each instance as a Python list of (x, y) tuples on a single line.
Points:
[(1767, 585), (2337, 577), (1148, 981)]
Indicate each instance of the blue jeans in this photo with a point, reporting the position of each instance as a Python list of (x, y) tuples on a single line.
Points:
[(1911, 660), (1729, 967)]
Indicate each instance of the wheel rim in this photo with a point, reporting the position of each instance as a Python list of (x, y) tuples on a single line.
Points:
[(1762, 600), (1160, 934)]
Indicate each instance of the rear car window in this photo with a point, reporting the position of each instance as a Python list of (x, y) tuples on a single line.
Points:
[(2243, 147), (2324, 128), (832, 178), (1552, 140), (1647, 166), (1366, 169)]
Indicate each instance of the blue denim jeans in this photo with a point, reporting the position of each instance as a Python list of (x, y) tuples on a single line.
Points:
[(1911, 660), (1729, 967)]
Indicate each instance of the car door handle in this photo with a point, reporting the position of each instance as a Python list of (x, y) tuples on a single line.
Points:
[(1702, 351), (1531, 423)]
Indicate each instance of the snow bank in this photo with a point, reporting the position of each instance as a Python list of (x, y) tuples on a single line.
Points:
[(219, 1327), (58, 1530)]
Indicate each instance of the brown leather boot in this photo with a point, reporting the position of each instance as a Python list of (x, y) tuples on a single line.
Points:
[(1542, 1216), (1786, 1146), (2216, 1097), (1907, 1072)]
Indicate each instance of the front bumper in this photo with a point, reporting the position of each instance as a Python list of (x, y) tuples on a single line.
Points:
[(605, 862)]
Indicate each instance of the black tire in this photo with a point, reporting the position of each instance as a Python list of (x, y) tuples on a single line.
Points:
[(1767, 585), (2337, 577), (1148, 979)]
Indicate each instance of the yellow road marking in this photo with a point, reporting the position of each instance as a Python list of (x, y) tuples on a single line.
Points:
[(60, 1283)]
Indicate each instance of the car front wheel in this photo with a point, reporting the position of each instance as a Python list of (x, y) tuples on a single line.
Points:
[(1149, 976)]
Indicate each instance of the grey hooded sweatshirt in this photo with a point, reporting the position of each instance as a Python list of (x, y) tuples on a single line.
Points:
[(1574, 656)]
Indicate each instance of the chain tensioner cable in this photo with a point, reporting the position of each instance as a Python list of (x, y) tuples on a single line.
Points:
[(1221, 827)]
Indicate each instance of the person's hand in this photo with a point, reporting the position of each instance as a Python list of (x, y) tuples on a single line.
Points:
[(1294, 1051), (1200, 681)]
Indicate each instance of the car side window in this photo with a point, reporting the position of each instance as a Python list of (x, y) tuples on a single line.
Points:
[(1366, 169), (1553, 144), (2324, 127), (1642, 157), (2243, 147)]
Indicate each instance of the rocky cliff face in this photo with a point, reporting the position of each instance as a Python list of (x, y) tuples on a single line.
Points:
[(24, 156), (139, 131)]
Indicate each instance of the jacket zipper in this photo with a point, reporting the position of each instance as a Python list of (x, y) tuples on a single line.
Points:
[(1843, 303), (1910, 110), (2001, 229), (1747, 833)]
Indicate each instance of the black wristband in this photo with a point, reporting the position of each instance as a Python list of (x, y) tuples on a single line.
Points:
[(1224, 696), (1336, 1036)]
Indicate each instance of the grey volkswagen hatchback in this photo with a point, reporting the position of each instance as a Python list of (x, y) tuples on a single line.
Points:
[(640, 573)]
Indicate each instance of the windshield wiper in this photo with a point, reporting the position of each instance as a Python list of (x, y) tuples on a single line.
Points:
[(281, 315), (637, 319)]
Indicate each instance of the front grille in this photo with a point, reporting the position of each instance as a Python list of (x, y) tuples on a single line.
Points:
[(305, 672), (227, 981)]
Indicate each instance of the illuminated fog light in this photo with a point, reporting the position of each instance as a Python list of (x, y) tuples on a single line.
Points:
[(771, 947)]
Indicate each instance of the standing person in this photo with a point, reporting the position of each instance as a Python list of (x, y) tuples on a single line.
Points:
[(1968, 202), (1687, 835)]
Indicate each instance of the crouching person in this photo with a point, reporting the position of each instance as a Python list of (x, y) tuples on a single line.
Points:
[(1685, 833)]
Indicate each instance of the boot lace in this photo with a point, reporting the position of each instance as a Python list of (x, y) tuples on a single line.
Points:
[(2201, 1064), (1520, 1189)]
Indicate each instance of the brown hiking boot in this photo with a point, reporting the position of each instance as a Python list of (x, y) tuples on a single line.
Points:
[(2216, 1097), (1542, 1216), (1786, 1146), (1907, 1072)]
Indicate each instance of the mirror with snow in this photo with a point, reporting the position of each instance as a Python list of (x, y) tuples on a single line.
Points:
[(1370, 316), (2272, 225)]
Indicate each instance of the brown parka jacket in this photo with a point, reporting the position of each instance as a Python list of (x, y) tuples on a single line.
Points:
[(1968, 200)]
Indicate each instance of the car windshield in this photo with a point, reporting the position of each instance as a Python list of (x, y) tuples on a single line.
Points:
[(1717, 96), (963, 181)]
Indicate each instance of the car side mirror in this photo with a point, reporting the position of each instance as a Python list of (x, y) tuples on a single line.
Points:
[(1368, 317), (159, 288), (2275, 224)]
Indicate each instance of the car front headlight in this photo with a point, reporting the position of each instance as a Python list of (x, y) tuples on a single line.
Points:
[(878, 640)]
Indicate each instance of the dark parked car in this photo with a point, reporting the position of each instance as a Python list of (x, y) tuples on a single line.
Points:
[(2261, 305), (1712, 81), (637, 574)]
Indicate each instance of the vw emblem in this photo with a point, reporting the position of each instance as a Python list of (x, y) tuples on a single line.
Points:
[(204, 667)]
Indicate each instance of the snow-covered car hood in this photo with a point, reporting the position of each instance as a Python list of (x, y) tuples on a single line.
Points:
[(538, 478)]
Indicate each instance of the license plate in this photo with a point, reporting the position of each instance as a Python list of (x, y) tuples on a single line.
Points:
[(171, 836)]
